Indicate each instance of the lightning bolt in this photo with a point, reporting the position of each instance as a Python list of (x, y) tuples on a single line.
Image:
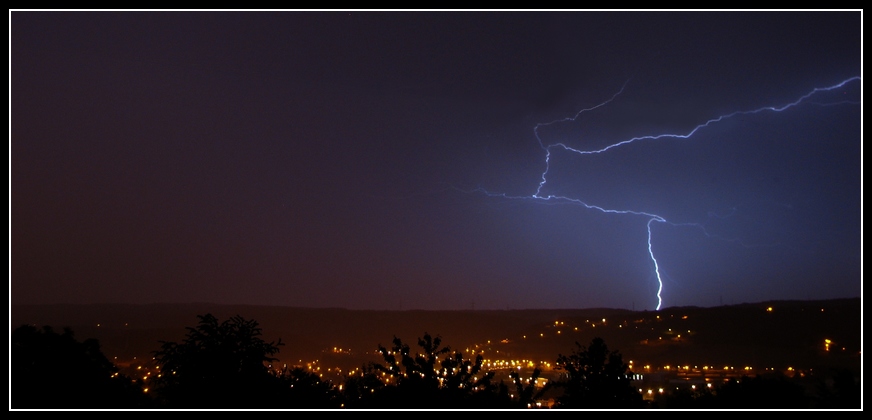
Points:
[(652, 218)]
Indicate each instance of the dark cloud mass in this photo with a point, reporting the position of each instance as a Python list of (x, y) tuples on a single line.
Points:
[(341, 159)]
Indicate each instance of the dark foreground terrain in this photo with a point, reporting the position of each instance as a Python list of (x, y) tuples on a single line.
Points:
[(779, 354), (776, 334)]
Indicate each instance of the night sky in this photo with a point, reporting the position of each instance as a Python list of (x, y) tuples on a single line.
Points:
[(395, 160)]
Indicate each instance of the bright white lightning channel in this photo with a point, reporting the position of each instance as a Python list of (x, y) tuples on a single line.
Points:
[(651, 217)]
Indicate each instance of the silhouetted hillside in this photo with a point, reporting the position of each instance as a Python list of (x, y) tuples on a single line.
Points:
[(792, 333)]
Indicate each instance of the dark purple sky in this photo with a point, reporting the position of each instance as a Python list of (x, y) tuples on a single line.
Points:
[(389, 160)]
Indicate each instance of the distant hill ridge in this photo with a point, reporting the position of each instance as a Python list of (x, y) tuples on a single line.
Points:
[(791, 332)]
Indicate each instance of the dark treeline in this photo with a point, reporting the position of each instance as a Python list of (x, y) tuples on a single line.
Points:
[(227, 365)]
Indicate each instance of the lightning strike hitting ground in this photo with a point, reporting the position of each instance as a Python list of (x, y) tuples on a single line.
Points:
[(538, 195)]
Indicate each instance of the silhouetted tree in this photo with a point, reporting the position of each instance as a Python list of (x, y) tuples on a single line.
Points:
[(774, 391), (52, 370), (526, 390), (437, 377), (360, 389), (596, 378), (220, 365), (686, 398), (305, 389), (837, 388)]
